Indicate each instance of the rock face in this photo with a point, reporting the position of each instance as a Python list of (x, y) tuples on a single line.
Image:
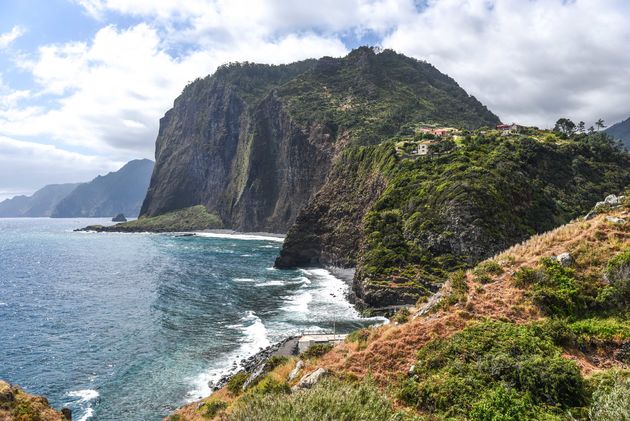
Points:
[(254, 143), (121, 191), (15, 404), (41, 204), (310, 380)]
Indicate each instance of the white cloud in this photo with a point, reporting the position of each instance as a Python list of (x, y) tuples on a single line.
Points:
[(7, 38), (27, 166), (110, 92), (529, 61)]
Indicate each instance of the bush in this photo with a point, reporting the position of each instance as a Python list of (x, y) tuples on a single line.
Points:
[(618, 274), (328, 400), (611, 401), (484, 269), (505, 404), (317, 350), (452, 375), (212, 408), (269, 385), (275, 361), (401, 316), (236, 382)]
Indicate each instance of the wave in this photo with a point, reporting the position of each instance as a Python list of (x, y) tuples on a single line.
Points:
[(84, 396), (255, 338), (243, 280), (256, 237), (299, 303), (274, 283)]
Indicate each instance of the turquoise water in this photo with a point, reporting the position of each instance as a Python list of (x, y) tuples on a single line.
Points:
[(131, 326)]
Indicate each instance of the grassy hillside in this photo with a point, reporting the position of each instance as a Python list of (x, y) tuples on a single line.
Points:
[(196, 218), (520, 336)]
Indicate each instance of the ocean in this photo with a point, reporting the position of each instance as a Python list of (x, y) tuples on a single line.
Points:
[(131, 326)]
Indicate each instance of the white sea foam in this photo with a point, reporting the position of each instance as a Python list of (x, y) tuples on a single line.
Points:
[(256, 237), (243, 280), (299, 303), (85, 397), (274, 283), (255, 338)]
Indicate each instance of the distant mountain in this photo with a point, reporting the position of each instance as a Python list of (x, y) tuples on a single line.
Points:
[(41, 203), (621, 131), (117, 192)]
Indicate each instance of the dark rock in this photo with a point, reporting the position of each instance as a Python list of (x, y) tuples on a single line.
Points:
[(67, 413), (6, 392), (119, 218)]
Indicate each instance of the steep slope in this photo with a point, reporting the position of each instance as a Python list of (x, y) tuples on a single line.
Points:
[(16, 404), (254, 143), (406, 222), (621, 131), (105, 196), (540, 331), (40, 204)]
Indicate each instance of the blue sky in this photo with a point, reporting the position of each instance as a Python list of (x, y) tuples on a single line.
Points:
[(83, 83)]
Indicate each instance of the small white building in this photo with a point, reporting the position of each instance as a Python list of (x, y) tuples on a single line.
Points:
[(307, 341), (423, 148)]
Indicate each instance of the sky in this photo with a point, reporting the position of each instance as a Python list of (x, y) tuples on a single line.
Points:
[(83, 83)]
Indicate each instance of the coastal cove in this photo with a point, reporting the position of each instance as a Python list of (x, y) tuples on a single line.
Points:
[(131, 326)]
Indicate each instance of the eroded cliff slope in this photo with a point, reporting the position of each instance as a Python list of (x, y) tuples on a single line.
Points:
[(254, 143)]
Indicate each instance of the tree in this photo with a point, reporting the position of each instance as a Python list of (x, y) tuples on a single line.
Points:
[(600, 124), (565, 126), (591, 130), (581, 127)]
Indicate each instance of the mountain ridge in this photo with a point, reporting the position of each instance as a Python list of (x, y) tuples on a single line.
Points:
[(254, 143)]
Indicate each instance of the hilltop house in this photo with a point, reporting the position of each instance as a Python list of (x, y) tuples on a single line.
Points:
[(509, 128), (439, 131), (423, 147)]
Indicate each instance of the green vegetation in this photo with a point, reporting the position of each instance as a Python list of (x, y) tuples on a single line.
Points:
[(483, 271), (458, 291), (492, 368), (316, 351), (611, 398), (401, 316), (236, 382), (437, 211), (564, 292), (212, 408), (328, 400), (195, 218)]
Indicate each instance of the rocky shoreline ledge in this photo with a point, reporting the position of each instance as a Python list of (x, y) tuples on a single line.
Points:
[(255, 364)]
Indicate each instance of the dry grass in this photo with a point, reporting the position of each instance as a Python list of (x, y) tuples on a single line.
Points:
[(391, 350)]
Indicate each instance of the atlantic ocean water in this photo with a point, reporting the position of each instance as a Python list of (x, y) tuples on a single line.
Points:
[(131, 326)]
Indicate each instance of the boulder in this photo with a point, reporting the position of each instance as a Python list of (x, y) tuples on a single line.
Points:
[(565, 259), (310, 380), (612, 200), (67, 413), (6, 392), (119, 218), (294, 373), (615, 220)]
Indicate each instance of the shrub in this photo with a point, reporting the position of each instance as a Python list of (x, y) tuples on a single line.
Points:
[(275, 361), (484, 269), (611, 401), (401, 316), (317, 350), (330, 399), (269, 385), (236, 382), (618, 274), (503, 403), (212, 408), (452, 375)]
